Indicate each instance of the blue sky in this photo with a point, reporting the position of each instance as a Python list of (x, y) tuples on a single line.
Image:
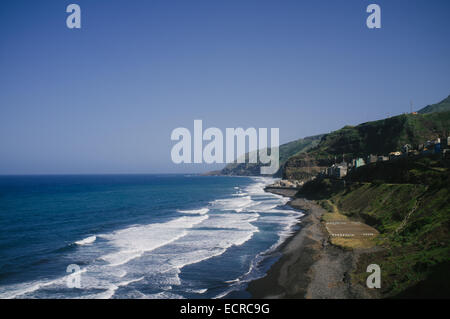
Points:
[(105, 98)]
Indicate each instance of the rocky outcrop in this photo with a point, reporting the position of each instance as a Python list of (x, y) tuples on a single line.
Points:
[(304, 167)]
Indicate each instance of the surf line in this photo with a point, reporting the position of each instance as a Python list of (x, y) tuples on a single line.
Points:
[(191, 309)]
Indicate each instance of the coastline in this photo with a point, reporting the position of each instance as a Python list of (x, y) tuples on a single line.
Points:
[(309, 267)]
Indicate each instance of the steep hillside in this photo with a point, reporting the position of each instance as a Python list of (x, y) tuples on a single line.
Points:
[(286, 150), (377, 137), (442, 106), (414, 223), (411, 210)]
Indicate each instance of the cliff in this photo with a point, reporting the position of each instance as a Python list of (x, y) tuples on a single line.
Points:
[(286, 150)]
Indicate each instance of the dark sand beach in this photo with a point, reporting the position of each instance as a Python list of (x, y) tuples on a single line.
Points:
[(309, 266)]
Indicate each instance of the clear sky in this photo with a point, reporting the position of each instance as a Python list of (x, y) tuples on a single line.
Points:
[(105, 98)]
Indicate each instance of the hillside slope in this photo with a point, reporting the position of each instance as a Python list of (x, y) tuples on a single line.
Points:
[(305, 157), (377, 137), (442, 106), (411, 210), (286, 150)]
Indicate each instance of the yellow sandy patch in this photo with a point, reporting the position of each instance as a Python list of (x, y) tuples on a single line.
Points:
[(344, 232), (353, 243)]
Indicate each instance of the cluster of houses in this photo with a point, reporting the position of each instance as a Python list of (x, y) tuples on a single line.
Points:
[(339, 170), (430, 147)]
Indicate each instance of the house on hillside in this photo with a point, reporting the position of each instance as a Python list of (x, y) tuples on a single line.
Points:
[(433, 147), (358, 162), (340, 171), (393, 155), (437, 148), (406, 148), (337, 170), (371, 159)]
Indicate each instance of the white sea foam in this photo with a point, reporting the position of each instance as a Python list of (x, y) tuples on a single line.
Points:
[(19, 290), (111, 290), (240, 194), (201, 211), (197, 291), (15, 291), (164, 295), (155, 254), (135, 241), (268, 207), (236, 204), (86, 241)]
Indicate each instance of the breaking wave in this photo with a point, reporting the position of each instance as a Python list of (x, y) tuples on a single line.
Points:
[(121, 262)]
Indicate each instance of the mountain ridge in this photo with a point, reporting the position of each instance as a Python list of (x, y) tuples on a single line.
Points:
[(304, 158), (441, 106)]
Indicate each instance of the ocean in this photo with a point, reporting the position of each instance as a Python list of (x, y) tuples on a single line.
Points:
[(138, 236)]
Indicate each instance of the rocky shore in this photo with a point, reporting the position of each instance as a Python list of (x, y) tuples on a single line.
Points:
[(309, 267)]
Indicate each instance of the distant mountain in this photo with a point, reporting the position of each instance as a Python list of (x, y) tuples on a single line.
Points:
[(442, 106), (286, 150)]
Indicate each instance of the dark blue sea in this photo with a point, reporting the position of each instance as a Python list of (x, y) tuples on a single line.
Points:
[(137, 236)]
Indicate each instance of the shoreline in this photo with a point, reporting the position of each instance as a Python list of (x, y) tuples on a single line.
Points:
[(309, 267)]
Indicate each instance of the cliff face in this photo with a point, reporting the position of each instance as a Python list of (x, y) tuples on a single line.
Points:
[(304, 167), (286, 150), (241, 169)]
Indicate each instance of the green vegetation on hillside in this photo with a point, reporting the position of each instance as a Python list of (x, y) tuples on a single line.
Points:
[(442, 106), (423, 169), (377, 137), (414, 225), (411, 210), (286, 150), (407, 200), (305, 157)]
